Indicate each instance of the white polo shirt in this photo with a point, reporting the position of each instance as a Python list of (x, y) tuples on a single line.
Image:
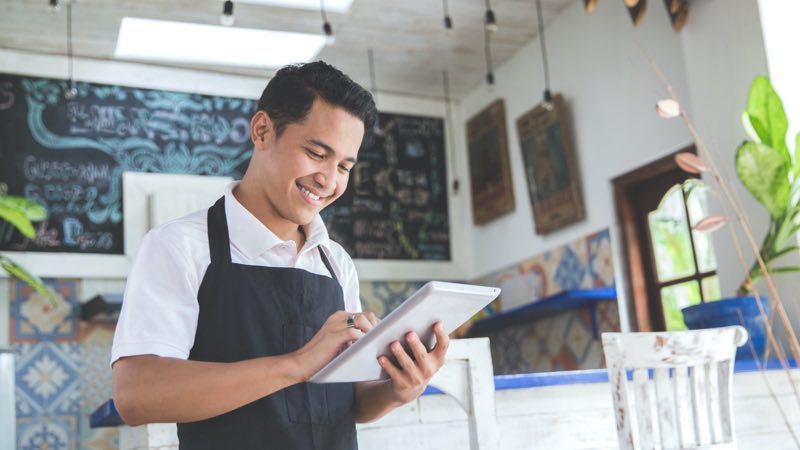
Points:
[(160, 309)]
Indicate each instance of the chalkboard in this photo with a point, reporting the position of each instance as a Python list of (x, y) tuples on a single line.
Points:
[(69, 155), (395, 206)]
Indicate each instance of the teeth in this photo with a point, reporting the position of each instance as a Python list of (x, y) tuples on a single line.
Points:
[(308, 193)]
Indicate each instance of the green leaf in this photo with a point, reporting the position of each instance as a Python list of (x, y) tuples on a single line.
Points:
[(20, 272), (784, 251), (753, 127), (18, 218), (32, 210), (767, 116), (784, 269), (763, 172), (797, 156)]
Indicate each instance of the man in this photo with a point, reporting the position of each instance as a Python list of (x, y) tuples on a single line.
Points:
[(228, 312)]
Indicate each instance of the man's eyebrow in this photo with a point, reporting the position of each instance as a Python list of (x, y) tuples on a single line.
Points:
[(328, 149)]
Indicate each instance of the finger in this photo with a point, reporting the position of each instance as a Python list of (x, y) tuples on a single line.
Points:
[(351, 334), (390, 369), (417, 348), (403, 360), (363, 323), (373, 319), (442, 341)]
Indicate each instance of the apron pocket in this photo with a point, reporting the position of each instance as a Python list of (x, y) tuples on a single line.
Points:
[(306, 403)]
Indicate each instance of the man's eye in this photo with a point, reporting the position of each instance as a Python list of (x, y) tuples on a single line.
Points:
[(345, 168), (314, 155)]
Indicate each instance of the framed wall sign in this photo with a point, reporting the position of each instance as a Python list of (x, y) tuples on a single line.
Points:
[(489, 169), (550, 166)]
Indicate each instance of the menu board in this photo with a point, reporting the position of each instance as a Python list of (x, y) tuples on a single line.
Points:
[(395, 206), (69, 155)]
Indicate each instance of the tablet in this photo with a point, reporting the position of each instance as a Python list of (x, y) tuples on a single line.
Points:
[(437, 301)]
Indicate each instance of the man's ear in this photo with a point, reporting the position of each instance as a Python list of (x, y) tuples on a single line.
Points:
[(260, 129)]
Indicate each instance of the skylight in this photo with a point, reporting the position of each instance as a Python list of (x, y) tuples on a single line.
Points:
[(337, 6), (161, 40)]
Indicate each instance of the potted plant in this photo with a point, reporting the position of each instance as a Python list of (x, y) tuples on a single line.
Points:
[(765, 167), (19, 213)]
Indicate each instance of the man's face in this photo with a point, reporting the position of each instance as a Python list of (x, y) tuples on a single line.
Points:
[(307, 167)]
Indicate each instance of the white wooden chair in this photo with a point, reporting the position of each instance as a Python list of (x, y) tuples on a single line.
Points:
[(681, 391)]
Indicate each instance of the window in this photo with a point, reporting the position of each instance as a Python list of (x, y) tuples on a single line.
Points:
[(684, 261), (669, 266)]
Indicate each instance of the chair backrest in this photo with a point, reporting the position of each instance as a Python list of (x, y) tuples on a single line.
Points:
[(680, 392)]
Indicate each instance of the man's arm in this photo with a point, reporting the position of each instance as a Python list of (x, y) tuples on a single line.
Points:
[(374, 399), (150, 389)]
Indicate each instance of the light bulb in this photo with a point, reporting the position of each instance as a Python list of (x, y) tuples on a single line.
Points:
[(227, 18), (489, 20)]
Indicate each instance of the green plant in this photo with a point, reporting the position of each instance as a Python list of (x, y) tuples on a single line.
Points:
[(20, 213), (767, 169)]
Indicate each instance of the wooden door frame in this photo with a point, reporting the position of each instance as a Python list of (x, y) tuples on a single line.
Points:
[(640, 315)]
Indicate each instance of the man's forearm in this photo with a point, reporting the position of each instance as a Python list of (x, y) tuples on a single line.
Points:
[(153, 389), (373, 400)]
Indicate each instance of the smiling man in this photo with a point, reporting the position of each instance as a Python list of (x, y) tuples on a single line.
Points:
[(229, 311)]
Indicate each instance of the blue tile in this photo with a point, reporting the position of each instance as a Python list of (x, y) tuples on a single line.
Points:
[(48, 378), (47, 432), (34, 318), (570, 271)]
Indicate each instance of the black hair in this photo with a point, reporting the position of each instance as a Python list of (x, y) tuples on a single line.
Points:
[(290, 94)]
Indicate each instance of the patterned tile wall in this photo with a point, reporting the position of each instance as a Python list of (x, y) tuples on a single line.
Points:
[(564, 341), (61, 370)]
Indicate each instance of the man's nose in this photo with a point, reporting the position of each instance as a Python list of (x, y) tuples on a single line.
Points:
[(326, 179)]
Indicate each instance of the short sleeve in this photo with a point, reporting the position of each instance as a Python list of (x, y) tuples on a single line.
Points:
[(159, 308), (348, 277)]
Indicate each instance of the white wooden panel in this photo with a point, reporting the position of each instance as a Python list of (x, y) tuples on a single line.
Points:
[(699, 385), (665, 401), (683, 405), (648, 433), (714, 416)]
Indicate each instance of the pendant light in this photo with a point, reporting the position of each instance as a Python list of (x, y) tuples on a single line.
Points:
[(227, 18), (326, 26)]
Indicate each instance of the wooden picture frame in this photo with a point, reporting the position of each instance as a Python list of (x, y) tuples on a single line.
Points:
[(551, 167), (489, 167)]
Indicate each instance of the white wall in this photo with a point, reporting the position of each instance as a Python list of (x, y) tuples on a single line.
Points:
[(597, 63), (149, 76)]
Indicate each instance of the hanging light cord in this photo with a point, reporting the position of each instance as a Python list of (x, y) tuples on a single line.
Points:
[(69, 43), (488, 51), (322, 11), (372, 83), (449, 118), (445, 8), (544, 51)]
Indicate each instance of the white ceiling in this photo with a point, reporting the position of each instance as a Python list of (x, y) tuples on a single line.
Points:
[(407, 36)]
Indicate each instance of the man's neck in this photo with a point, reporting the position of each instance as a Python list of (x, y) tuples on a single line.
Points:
[(266, 214)]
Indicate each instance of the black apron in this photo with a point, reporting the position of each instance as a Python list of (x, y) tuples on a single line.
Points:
[(252, 311)]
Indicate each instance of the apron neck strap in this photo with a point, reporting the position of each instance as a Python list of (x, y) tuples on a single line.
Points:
[(218, 240)]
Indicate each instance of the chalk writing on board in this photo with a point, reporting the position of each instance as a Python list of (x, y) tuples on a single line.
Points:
[(69, 155), (396, 204)]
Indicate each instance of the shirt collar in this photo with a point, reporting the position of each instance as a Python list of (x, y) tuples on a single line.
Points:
[(253, 238)]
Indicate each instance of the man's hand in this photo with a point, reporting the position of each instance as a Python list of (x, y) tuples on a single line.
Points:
[(333, 337), (410, 376)]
